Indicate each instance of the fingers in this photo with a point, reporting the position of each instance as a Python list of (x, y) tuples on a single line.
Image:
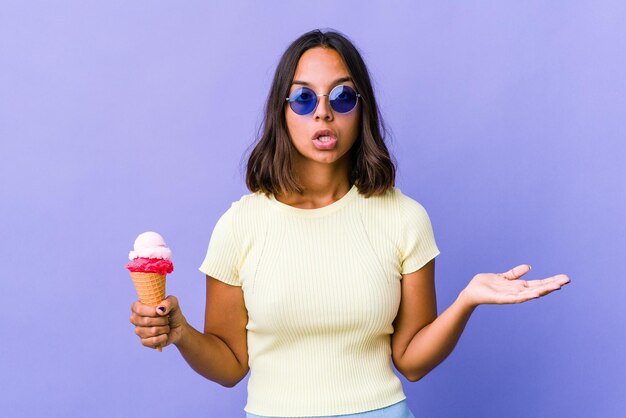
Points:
[(559, 279), (155, 342), (143, 310), (516, 272), (153, 337), (153, 324), (169, 308), (145, 316), (534, 289), (147, 332), (152, 330), (553, 283), (168, 305)]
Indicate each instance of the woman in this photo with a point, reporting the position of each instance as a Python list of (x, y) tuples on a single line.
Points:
[(326, 270)]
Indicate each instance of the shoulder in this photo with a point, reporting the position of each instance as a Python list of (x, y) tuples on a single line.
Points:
[(411, 212), (395, 200), (249, 203), (407, 202), (247, 215)]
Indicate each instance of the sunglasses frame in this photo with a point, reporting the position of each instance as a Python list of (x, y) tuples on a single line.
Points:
[(317, 101)]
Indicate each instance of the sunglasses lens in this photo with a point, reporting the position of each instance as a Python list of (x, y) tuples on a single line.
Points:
[(303, 101), (343, 99)]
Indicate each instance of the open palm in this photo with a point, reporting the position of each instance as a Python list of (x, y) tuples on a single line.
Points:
[(501, 288)]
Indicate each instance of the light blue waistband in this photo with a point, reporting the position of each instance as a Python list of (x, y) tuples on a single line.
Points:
[(397, 410)]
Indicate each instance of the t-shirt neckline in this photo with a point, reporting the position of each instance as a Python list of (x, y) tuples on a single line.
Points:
[(324, 210)]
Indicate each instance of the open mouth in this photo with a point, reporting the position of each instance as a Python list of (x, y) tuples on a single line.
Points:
[(324, 138)]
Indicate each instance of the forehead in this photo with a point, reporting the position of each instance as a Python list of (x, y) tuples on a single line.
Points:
[(319, 67)]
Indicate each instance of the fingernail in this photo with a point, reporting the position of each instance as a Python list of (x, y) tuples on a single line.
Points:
[(529, 267), (162, 309)]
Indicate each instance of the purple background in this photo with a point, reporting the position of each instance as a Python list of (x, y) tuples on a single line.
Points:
[(117, 117)]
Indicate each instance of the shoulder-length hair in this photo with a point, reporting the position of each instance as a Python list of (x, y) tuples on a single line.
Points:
[(269, 167)]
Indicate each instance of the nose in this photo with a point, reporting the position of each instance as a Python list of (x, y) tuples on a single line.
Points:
[(323, 109)]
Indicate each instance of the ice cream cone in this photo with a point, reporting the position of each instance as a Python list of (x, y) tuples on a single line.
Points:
[(150, 288), (149, 263)]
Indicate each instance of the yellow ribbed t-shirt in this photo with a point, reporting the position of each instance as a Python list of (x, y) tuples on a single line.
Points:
[(322, 288)]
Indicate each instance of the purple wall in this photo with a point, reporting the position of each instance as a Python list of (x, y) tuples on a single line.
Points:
[(116, 117)]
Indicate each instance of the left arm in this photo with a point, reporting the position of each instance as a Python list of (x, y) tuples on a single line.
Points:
[(422, 340)]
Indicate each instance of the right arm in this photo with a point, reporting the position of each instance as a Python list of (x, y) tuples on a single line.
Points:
[(220, 353)]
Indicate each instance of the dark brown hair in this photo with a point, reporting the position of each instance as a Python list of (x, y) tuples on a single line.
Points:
[(269, 167)]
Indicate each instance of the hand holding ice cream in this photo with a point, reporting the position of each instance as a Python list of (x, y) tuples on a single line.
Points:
[(150, 262)]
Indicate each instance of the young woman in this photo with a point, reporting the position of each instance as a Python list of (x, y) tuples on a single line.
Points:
[(325, 272)]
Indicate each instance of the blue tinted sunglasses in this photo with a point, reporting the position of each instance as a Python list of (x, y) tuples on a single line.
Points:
[(342, 99)]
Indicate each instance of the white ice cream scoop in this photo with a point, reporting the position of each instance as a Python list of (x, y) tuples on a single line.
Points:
[(150, 245)]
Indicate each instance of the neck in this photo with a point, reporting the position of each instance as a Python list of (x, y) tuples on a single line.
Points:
[(323, 185)]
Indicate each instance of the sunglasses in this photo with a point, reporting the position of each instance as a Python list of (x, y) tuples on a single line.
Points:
[(303, 100)]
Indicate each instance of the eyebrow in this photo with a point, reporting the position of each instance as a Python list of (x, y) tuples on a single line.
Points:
[(339, 80)]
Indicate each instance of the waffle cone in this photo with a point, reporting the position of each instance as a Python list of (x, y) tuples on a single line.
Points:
[(150, 287)]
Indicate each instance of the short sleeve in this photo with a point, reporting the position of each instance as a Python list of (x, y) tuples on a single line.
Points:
[(417, 240), (222, 257)]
